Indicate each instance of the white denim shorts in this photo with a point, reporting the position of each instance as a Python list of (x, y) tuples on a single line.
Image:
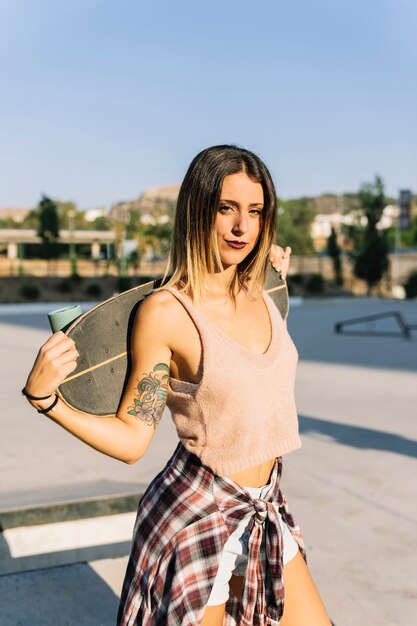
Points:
[(234, 557)]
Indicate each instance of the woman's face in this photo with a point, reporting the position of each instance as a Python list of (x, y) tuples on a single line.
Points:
[(239, 217)]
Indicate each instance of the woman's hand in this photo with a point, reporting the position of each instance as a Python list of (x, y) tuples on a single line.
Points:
[(56, 359), (280, 259)]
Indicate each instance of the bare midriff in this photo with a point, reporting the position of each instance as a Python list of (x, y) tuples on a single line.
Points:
[(257, 476)]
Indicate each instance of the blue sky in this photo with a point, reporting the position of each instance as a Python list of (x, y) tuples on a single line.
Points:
[(102, 99)]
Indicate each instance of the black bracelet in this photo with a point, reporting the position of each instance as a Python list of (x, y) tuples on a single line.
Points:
[(49, 408), (28, 395)]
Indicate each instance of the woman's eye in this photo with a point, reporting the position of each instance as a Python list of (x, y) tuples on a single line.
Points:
[(224, 208)]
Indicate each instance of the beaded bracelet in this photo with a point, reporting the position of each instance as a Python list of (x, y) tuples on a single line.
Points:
[(49, 408)]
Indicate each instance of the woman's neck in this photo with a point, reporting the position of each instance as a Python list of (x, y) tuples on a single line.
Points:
[(217, 284)]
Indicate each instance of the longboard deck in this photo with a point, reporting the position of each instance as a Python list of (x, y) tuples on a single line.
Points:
[(102, 336)]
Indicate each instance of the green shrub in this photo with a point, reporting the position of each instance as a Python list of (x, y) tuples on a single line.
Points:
[(94, 290), (76, 279), (315, 284), (124, 283), (145, 279), (296, 279), (290, 288), (30, 292), (411, 286), (65, 286)]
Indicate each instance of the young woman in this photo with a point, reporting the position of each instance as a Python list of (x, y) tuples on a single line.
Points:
[(214, 540)]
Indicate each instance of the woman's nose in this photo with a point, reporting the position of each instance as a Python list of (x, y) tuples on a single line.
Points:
[(241, 225)]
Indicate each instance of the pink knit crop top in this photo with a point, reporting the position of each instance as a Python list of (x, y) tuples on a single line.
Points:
[(242, 412)]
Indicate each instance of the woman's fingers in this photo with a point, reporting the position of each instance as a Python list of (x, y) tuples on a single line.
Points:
[(70, 356), (280, 258), (67, 368), (54, 340), (56, 359), (58, 348)]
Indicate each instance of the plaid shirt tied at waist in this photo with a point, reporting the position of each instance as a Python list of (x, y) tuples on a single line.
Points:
[(261, 604), (184, 519)]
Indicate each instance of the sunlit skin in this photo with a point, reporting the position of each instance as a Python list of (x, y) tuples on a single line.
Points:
[(239, 216)]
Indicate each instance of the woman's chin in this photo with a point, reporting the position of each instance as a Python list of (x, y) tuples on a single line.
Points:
[(229, 261), (233, 257)]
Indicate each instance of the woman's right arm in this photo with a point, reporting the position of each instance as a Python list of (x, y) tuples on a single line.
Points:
[(126, 435)]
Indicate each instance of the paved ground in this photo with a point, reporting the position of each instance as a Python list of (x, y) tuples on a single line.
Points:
[(350, 486)]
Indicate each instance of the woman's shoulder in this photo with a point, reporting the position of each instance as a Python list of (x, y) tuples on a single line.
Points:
[(159, 309), (157, 320), (159, 298)]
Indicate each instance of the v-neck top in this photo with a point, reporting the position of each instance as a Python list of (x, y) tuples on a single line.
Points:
[(242, 412)]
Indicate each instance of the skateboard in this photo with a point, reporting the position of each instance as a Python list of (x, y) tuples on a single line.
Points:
[(102, 337)]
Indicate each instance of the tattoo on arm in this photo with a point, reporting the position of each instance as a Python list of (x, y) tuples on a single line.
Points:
[(152, 391)]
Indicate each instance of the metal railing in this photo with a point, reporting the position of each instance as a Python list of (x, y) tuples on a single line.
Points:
[(404, 327)]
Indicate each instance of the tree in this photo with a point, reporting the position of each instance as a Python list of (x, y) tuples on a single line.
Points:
[(157, 237), (333, 250), (408, 237), (120, 236), (100, 223), (371, 258), (67, 211), (32, 219), (294, 225), (48, 228), (133, 224), (134, 260)]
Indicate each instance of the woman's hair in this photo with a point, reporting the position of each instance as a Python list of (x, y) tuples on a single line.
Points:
[(194, 251)]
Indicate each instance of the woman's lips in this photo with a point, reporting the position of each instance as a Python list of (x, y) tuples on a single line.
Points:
[(235, 244)]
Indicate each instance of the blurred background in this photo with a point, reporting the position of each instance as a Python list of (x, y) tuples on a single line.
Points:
[(103, 107), (105, 104)]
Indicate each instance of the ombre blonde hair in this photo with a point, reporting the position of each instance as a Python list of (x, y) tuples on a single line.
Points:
[(194, 251)]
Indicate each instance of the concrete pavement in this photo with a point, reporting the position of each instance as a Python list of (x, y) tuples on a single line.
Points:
[(351, 486)]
